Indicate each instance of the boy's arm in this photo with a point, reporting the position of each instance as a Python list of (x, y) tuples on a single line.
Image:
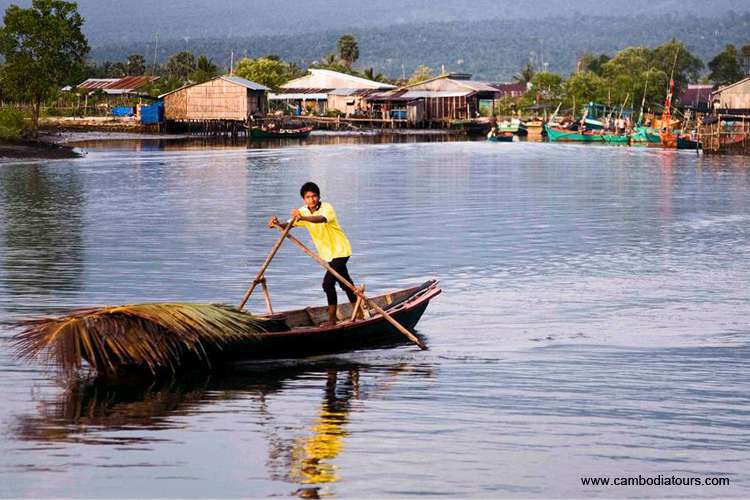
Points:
[(315, 219)]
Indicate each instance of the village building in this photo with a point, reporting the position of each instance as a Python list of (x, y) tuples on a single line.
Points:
[(696, 96), (225, 99), (437, 101), (733, 98), (324, 90)]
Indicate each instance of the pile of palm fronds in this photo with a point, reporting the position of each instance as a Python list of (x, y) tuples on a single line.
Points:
[(153, 336)]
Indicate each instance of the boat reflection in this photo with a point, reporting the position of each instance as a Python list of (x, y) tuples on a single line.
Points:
[(303, 456)]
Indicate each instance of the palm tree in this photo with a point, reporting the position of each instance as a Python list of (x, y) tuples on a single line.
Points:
[(525, 75), (348, 50)]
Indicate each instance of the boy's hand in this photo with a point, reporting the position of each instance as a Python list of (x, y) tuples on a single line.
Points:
[(296, 214), (273, 222)]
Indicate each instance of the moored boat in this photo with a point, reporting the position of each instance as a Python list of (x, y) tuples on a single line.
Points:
[(514, 126), (500, 137), (265, 132), (562, 135), (646, 135)]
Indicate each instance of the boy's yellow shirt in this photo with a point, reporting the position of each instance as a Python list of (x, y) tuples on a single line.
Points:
[(329, 238)]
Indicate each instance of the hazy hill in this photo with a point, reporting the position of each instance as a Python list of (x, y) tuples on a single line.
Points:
[(494, 49), (117, 21)]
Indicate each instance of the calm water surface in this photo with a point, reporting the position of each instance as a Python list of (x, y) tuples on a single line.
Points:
[(594, 321)]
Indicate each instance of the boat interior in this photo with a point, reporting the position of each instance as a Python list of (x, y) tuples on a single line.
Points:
[(315, 316)]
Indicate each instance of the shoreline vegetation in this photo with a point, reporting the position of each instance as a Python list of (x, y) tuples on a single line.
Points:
[(41, 88)]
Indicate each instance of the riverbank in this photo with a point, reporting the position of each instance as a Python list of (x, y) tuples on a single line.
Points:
[(39, 149)]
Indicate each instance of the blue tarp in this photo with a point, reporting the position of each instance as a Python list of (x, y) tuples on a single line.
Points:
[(123, 111), (153, 114)]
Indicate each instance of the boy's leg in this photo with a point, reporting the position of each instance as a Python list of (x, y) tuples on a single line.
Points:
[(329, 287), (339, 265)]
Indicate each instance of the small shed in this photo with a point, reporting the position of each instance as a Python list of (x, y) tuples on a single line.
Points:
[(224, 98), (735, 96)]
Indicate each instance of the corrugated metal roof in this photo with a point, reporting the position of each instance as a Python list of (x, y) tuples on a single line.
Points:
[(245, 83), (293, 96), (411, 95), (96, 83), (117, 85)]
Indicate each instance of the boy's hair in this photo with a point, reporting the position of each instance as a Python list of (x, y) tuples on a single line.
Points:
[(308, 187)]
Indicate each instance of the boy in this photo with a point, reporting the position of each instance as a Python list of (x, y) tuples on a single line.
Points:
[(332, 244)]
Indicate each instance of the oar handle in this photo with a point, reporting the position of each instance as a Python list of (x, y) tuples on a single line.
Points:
[(350, 286), (267, 262)]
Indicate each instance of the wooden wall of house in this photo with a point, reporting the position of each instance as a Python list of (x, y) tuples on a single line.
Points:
[(175, 106), (446, 108), (213, 100), (736, 97)]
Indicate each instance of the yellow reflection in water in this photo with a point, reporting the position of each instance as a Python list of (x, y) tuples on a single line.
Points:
[(312, 456)]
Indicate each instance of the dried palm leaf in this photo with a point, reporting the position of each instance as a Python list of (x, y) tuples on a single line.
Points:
[(155, 336)]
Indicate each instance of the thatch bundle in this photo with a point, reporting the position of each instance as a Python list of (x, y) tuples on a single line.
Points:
[(153, 336)]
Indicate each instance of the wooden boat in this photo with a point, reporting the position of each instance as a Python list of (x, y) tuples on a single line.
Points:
[(501, 137), (143, 339), (264, 132), (515, 127), (301, 332), (687, 142)]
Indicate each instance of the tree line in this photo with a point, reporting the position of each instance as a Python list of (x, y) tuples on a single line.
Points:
[(44, 48)]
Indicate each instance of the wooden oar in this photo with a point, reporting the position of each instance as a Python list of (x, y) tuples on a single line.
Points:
[(259, 277), (350, 286)]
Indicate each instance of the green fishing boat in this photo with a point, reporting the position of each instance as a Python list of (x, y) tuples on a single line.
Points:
[(616, 139), (562, 135), (646, 135)]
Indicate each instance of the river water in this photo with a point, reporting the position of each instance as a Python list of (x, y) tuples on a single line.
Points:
[(593, 321)]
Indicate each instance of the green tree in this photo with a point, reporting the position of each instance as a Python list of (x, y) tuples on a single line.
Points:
[(348, 50), (420, 74), (268, 72), (117, 70), (674, 55), (745, 51), (546, 88), (583, 87), (525, 75), (181, 65), (44, 48), (136, 65), (593, 63), (725, 67), (370, 74), (205, 69)]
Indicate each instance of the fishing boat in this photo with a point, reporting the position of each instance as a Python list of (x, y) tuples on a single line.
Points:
[(646, 135), (562, 135), (500, 137), (514, 126), (687, 142), (621, 139), (268, 132)]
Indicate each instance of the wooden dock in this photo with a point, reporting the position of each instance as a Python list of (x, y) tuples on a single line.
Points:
[(728, 134)]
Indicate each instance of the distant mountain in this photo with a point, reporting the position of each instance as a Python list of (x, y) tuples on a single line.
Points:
[(492, 49), (124, 21)]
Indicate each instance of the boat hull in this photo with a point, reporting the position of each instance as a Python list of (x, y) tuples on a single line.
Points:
[(259, 133), (557, 135)]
